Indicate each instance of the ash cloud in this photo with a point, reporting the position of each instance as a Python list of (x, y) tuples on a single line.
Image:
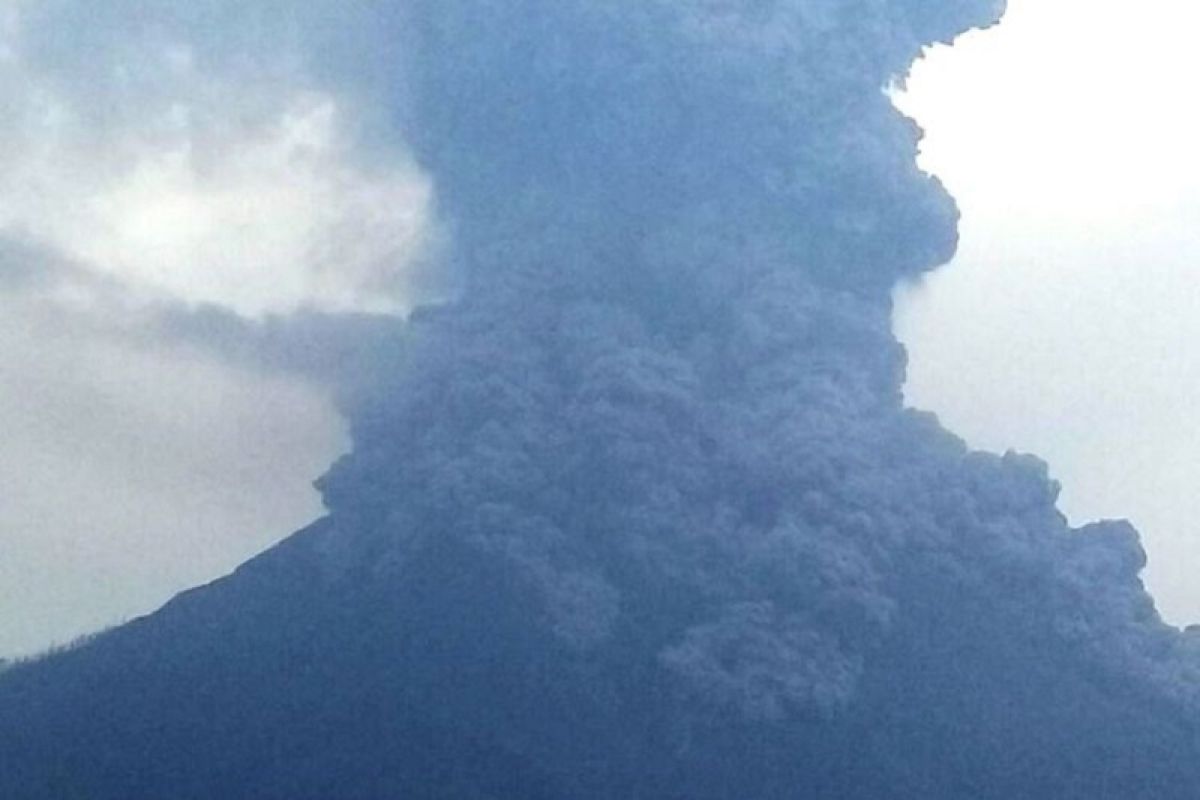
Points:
[(679, 225)]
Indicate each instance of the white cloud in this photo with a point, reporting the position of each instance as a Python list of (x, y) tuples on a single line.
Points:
[(1067, 115), (239, 188)]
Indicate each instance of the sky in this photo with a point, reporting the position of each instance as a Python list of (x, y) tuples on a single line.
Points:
[(1067, 324)]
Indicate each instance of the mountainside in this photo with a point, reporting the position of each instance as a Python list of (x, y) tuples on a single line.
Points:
[(640, 513)]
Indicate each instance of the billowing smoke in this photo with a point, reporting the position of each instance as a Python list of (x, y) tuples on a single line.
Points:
[(642, 508), (671, 371)]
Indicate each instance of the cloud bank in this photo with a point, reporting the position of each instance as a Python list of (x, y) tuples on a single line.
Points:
[(144, 145)]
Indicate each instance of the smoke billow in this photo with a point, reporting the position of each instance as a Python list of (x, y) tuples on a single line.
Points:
[(671, 369), (653, 461)]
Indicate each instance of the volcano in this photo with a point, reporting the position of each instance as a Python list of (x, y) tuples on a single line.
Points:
[(639, 512)]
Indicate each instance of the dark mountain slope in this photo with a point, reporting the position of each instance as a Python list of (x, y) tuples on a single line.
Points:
[(431, 682)]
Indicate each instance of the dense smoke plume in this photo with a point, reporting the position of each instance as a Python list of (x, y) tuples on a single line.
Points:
[(678, 225), (652, 461)]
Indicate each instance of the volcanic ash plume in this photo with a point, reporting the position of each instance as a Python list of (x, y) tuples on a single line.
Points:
[(669, 395)]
